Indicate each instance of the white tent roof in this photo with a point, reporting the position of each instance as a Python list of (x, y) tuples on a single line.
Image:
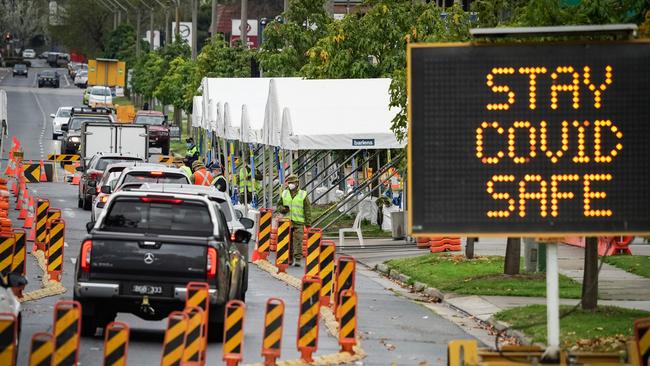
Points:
[(197, 111), (330, 114)]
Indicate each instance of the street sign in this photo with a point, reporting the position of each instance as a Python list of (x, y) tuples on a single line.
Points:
[(529, 139)]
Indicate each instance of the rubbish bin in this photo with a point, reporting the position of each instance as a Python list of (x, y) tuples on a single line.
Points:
[(397, 223)]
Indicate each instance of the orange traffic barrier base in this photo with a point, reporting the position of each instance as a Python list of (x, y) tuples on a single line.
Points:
[(607, 245), (445, 245)]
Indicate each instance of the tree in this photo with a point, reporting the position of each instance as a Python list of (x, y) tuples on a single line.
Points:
[(175, 85), (85, 24), (120, 44), (23, 18), (286, 42), (147, 73)]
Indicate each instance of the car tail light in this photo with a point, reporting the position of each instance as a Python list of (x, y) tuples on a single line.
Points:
[(95, 175), (156, 174), (174, 201), (232, 236), (98, 189), (86, 248), (211, 265), (103, 199)]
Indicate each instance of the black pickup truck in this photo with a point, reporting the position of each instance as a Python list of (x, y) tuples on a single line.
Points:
[(139, 257)]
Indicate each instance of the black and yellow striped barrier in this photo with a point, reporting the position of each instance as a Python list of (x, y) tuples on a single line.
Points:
[(308, 317), (264, 232), (7, 243), (116, 344), (53, 214), (273, 326), (8, 336), (348, 321), (20, 252), (462, 352), (642, 338), (233, 342), (313, 252), (32, 172), (198, 296), (174, 343), (42, 207), (41, 350), (282, 249), (169, 159), (54, 257), (193, 354), (67, 325), (345, 278), (64, 157), (326, 270)]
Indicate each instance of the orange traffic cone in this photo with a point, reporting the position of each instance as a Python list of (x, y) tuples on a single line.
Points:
[(29, 220), (23, 209), (32, 234), (43, 175), (75, 179)]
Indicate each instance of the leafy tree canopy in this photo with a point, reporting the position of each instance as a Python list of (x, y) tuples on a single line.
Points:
[(175, 84)]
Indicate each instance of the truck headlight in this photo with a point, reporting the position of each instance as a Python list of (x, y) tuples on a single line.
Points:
[(75, 139)]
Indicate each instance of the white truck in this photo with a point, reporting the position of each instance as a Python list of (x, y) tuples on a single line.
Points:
[(119, 138)]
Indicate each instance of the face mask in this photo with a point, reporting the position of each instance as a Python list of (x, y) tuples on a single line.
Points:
[(292, 186), (188, 145)]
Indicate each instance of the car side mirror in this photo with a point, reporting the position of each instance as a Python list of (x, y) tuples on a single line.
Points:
[(238, 214), (248, 223), (64, 128), (242, 236), (52, 115), (92, 183), (106, 189), (89, 226), (79, 168)]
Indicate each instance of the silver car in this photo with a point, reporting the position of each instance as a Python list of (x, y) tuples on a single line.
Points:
[(59, 119)]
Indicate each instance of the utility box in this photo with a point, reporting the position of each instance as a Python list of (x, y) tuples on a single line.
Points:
[(531, 255), (397, 223)]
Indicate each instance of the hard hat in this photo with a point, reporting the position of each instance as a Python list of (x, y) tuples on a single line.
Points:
[(196, 164), (291, 178)]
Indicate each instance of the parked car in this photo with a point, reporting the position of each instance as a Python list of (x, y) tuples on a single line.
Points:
[(158, 129), (100, 96), (144, 249), (92, 172), (29, 53), (49, 78), (60, 118), (20, 70), (81, 79)]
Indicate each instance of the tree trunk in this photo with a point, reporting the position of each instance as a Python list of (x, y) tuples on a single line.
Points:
[(590, 279), (469, 248), (177, 119), (513, 254)]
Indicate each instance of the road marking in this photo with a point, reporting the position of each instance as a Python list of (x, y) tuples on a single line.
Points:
[(65, 77), (40, 139), (73, 260)]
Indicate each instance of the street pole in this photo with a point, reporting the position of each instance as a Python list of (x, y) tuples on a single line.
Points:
[(168, 34), (177, 31), (151, 29), (244, 23), (590, 279), (213, 23), (137, 32), (552, 303), (195, 17), (286, 5)]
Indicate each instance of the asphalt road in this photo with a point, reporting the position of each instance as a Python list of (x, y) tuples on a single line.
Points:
[(394, 329)]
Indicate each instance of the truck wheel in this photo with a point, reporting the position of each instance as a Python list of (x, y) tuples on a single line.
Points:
[(80, 203), (215, 331)]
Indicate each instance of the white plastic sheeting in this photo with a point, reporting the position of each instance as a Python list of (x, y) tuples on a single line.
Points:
[(197, 112), (299, 114)]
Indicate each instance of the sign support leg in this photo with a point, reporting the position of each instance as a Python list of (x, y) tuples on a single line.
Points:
[(552, 303)]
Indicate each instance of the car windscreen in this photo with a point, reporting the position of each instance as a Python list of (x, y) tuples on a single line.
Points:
[(65, 113), (149, 120), (155, 177), (158, 216), (100, 91), (76, 122), (104, 162), (20, 66), (47, 74)]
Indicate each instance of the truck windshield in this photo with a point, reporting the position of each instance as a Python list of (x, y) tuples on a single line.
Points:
[(159, 216), (76, 122), (149, 120)]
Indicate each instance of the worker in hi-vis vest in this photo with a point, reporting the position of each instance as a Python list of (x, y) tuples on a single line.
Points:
[(219, 181), (295, 205), (201, 176)]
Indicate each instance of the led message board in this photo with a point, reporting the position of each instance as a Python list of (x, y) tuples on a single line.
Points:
[(529, 139)]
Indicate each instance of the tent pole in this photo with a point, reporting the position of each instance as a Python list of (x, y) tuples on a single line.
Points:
[(333, 162), (264, 177)]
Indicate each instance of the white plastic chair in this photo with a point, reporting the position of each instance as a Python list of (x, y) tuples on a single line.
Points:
[(356, 228)]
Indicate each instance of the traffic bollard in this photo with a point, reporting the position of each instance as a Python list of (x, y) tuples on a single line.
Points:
[(642, 339), (345, 278), (194, 335), (264, 233), (273, 326), (67, 325), (313, 252), (284, 240), (174, 343), (326, 273), (20, 253), (116, 344), (347, 321), (54, 254), (307, 341), (42, 207), (8, 336), (41, 350), (198, 296), (233, 342), (7, 243)]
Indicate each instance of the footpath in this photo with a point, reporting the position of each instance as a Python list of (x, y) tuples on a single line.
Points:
[(616, 287)]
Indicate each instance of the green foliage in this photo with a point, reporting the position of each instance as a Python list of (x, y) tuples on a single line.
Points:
[(120, 44), (604, 330), (637, 264), (175, 84), (285, 46), (85, 24), (147, 73), (480, 276)]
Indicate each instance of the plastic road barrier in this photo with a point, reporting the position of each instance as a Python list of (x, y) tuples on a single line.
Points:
[(307, 341), (194, 337), (326, 273), (264, 232), (67, 325), (20, 253), (42, 349), (273, 326), (56, 234), (174, 343), (42, 207), (7, 242), (347, 321), (233, 341), (284, 239), (8, 336), (345, 278), (198, 296), (642, 337), (116, 344), (313, 251)]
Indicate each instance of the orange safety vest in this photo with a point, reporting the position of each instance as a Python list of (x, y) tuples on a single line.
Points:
[(202, 177)]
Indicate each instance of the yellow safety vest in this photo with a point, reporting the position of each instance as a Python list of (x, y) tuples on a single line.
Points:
[(296, 205)]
